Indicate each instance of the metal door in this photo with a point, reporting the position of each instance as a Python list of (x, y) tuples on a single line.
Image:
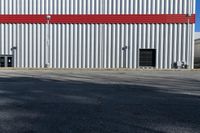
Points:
[(9, 61), (147, 57), (2, 61)]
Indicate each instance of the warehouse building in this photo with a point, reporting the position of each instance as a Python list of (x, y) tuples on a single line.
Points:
[(197, 50), (97, 33), (197, 53)]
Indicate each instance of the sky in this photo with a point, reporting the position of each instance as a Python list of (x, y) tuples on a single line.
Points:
[(197, 15)]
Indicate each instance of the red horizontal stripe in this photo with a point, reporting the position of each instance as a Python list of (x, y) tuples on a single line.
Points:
[(99, 19)]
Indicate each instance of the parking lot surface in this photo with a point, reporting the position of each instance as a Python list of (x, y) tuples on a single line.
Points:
[(66, 101)]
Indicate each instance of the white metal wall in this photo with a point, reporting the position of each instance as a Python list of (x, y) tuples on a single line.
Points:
[(96, 45), (96, 6), (197, 48)]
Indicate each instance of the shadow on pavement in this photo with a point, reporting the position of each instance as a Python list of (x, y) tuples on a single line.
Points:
[(34, 105)]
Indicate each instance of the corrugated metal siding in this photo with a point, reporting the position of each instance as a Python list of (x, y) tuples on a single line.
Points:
[(95, 45), (96, 6), (197, 48)]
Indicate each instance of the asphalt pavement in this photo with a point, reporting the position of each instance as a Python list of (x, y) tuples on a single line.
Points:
[(67, 101)]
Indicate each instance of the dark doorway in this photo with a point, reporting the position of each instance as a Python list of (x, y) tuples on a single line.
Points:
[(2, 61), (6, 61), (147, 57), (9, 62)]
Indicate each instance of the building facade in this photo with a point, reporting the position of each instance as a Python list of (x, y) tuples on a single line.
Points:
[(96, 33), (197, 53)]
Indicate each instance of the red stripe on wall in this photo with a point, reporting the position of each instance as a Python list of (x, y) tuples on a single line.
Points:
[(99, 19)]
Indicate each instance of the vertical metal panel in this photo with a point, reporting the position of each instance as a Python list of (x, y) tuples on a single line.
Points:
[(170, 46), (96, 6), (96, 45), (84, 44)]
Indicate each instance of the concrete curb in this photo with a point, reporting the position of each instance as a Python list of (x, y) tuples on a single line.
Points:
[(94, 69)]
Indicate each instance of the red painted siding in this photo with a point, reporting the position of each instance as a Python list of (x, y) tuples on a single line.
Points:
[(99, 19)]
